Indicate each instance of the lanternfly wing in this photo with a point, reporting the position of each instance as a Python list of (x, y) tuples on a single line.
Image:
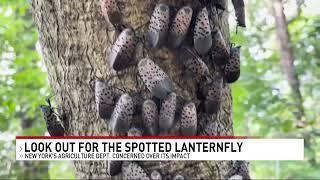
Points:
[(123, 50), (114, 167), (131, 170), (189, 120), (202, 33), (240, 12), (154, 78), (180, 26), (220, 53), (150, 116), (213, 97), (122, 115), (232, 69), (53, 123), (111, 11), (159, 25), (197, 66), (105, 99), (167, 112)]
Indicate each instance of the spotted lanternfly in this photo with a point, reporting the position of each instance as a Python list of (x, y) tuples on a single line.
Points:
[(53, 122), (131, 170), (105, 99), (180, 27), (111, 11), (197, 66), (202, 33), (240, 12), (232, 68), (114, 167), (123, 50), (154, 78), (155, 175), (178, 177), (219, 52), (159, 25), (134, 132), (193, 62), (150, 116), (189, 120), (122, 115), (213, 94), (167, 112)]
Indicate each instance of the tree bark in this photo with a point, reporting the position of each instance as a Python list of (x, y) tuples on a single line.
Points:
[(75, 39), (287, 58)]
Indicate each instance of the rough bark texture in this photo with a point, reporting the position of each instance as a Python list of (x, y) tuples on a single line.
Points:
[(287, 58), (75, 40)]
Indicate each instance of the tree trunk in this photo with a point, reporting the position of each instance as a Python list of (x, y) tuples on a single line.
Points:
[(75, 39), (287, 58)]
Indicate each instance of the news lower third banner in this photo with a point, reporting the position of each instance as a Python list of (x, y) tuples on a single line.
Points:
[(154, 149)]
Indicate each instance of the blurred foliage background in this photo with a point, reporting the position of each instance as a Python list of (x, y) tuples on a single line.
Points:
[(263, 102), (23, 86)]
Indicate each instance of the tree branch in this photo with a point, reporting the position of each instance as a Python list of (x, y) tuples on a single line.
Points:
[(287, 59)]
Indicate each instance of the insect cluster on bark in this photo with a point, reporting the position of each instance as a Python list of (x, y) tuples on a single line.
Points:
[(160, 113)]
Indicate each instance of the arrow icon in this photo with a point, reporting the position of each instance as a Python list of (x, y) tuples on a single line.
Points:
[(20, 148)]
